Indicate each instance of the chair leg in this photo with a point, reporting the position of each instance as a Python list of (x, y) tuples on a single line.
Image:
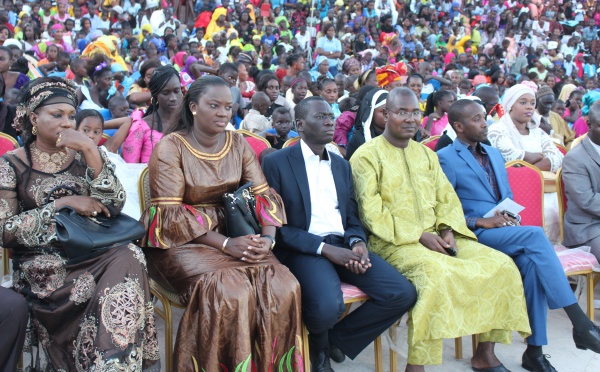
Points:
[(168, 336), (305, 348), (458, 354), (475, 341), (590, 295), (393, 354), (378, 355)]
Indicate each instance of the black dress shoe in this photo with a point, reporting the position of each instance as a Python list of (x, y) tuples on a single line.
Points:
[(320, 361), (499, 368), (336, 354), (588, 340), (539, 364)]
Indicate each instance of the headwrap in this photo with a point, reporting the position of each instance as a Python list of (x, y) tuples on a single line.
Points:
[(448, 58), (282, 18), (319, 60), (544, 91), (531, 85), (479, 79), (388, 74), (566, 91), (256, 37), (245, 58), (250, 9), (148, 28), (511, 96), (579, 65), (249, 48), (212, 26), (178, 59), (53, 91), (56, 27), (374, 99), (588, 100), (362, 78), (349, 64), (386, 37), (296, 81), (188, 63)]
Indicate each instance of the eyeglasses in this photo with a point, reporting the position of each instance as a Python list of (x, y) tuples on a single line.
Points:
[(406, 114)]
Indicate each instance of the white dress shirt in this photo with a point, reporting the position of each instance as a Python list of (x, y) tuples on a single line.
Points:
[(325, 217)]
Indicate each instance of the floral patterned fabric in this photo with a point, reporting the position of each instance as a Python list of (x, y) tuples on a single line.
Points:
[(91, 314)]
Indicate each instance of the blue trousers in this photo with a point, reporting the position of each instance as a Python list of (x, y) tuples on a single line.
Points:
[(322, 302), (544, 280)]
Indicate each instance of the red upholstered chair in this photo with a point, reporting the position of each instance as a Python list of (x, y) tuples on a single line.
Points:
[(351, 294), (255, 141), (105, 137), (561, 148), (431, 142), (527, 184), (7, 143)]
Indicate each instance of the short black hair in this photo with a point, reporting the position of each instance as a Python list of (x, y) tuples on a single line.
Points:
[(302, 108), (281, 111), (458, 109), (227, 67), (292, 58), (86, 113)]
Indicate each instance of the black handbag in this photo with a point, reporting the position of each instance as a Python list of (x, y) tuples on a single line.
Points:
[(82, 236), (240, 212)]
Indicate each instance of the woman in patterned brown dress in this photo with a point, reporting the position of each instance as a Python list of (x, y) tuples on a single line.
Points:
[(88, 313), (242, 305)]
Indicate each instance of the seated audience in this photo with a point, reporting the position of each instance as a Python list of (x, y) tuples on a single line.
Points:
[(582, 185), (477, 173), (324, 243), (241, 303), (415, 221), (269, 84), (370, 120), (255, 121), (436, 112), (518, 136), (13, 322), (99, 302), (160, 117), (282, 126), (552, 120)]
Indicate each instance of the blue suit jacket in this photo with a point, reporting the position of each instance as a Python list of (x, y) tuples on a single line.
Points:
[(469, 180), (285, 171)]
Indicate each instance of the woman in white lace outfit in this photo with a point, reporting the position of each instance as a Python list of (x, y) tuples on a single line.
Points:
[(518, 137)]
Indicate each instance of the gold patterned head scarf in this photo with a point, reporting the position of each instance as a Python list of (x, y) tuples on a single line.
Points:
[(41, 92)]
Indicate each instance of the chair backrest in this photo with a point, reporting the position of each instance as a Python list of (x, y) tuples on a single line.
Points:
[(527, 184), (144, 189), (577, 141), (562, 202), (561, 148), (431, 142), (7, 143), (255, 141), (105, 137), (290, 142)]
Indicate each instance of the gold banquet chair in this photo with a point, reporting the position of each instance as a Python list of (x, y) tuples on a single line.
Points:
[(167, 298)]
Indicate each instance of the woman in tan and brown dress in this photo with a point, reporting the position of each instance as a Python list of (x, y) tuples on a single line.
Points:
[(89, 313), (242, 305)]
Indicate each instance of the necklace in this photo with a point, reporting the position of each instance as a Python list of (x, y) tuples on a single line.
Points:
[(202, 148), (49, 163)]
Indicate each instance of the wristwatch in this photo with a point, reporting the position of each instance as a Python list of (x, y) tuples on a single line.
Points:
[(272, 240), (354, 241)]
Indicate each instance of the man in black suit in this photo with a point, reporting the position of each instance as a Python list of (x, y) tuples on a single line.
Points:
[(323, 242)]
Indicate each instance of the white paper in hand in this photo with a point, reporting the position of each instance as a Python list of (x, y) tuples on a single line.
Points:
[(505, 205)]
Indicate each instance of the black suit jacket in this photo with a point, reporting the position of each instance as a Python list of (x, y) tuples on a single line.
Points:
[(285, 171)]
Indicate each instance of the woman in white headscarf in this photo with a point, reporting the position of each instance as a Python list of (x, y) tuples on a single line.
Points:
[(518, 137)]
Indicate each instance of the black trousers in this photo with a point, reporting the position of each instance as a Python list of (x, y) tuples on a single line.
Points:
[(13, 321), (322, 302)]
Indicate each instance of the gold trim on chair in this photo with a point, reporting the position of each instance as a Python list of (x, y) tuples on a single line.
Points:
[(577, 141), (247, 133), (430, 139), (11, 139), (290, 142), (521, 163), (142, 189), (561, 208)]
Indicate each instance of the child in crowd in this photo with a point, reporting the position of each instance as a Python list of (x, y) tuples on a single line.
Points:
[(118, 107), (282, 128), (58, 68), (255, 121)]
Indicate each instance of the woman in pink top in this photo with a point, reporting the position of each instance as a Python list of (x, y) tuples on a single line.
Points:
[(436, 111), (160, 117)]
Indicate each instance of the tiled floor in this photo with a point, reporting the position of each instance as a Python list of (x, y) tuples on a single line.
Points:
[(564, 356)]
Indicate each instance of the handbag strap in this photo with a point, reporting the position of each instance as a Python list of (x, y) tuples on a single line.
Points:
[(60, 187)]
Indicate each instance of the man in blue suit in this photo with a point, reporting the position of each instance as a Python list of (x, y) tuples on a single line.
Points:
[(480, 179), (323, 242)]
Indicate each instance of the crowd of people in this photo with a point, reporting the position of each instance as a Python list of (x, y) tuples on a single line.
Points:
[(344, 92)]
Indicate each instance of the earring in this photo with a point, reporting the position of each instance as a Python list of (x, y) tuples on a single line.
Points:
[(34, 131), (194, 113)]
